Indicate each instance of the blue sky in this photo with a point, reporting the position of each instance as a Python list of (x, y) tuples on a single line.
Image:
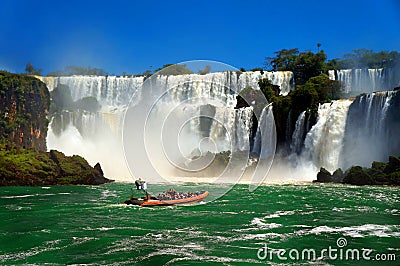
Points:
[(133, 36)]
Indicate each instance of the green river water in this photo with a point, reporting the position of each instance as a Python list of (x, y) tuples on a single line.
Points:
[(90, 225)]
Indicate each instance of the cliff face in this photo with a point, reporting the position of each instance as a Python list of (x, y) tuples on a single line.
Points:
[(24, 103)]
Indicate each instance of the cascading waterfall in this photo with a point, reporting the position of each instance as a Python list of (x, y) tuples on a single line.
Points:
[(324, 142), (372, 129), (284, 79), (298, 134), (332, 142), (366, 80), (265, 135), (188, 92)]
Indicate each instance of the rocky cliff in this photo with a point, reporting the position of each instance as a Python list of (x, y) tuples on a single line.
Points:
[(24, 103)]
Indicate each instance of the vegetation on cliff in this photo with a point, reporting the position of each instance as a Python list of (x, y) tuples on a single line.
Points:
[(316, 90), (379, 173), (23, 167), (364, 58), (304, 65), (24, 104), (62, 100)]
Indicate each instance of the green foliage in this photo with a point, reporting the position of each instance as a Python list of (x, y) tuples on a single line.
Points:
[(363, 58), (258, 69), (303, 97), (62, 100), (304, 65), (326, 89), (308, 65), (24, 102), (30, 167), (31, 70), (379, 174), (357, 176), (318, 89), (268, 89), (284, 59)]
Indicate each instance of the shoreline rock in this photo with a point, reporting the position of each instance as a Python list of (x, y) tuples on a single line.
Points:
[(380, 173), (22, 167)]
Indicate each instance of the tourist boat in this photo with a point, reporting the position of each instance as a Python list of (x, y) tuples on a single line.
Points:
[(149, 201)]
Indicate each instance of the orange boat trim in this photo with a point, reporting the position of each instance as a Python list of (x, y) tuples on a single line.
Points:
[(176, 201)]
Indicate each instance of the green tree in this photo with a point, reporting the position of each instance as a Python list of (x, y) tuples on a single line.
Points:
[(303, 97), (308, 65), (268, 89), (283, 60), (31, 70), (304, 65), (364, 58)]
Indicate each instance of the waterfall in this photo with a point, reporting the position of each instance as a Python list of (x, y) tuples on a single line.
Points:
[(186, 94), (284, 79), (324, 142), (366, 80), (266, 135), (108, 90), (372, 129), (298, 134)]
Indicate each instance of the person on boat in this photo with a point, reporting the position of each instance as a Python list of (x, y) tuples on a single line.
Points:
[(139, 184)]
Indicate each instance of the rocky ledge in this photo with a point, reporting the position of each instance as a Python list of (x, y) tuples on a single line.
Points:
[(23, 167), (380, 173)]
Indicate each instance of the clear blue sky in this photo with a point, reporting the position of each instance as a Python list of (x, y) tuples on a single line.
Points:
[(133, 35)]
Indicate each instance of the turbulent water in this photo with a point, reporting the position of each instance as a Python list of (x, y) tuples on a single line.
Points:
[(324, 142), (372, 129), (89, 225)]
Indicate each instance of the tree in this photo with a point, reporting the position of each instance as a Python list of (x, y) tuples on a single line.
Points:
[(304, 65), (364, 58), (283, 60), (268, 89), (303, 97), (147, 73), (318, 46), (326, 89), (308, 65), (206, 70), (31, 70)]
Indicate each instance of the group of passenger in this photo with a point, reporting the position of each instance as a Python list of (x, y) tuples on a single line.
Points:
[(171, 194)]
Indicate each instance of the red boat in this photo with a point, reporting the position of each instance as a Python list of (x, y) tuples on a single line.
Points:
[(149, 201)]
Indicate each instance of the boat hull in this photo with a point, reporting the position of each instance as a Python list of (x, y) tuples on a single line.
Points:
[(157, 202)]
